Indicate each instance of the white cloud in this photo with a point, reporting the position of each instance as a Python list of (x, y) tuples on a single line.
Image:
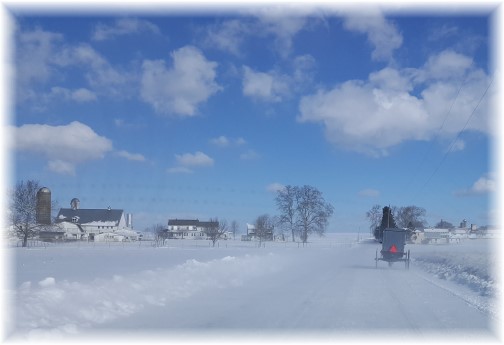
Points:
[(370, 116), (101, 75), (179, 170), (43, 57), (34, 64), (457, 145), (275, 187), (283, 27), (131, 156), (227, 36), (187, 161), (279, 23), (484, 185), (382, 34), (240, 141), (198, 159), (34, 55), (64, 146), (83, 95), (123, 26), (80, 95), (371, 193), (439, 33), (275, 86), (61, 167), (446, 65), (250, 155), (180, 89), (221, 141), (224, 141), (264, 86)]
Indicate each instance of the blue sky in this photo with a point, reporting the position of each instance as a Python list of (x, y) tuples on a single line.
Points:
[(199, 115)]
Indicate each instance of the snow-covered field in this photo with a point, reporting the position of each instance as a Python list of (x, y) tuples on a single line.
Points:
[(187, 290)]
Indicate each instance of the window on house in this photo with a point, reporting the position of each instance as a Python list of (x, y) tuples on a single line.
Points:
[(75, 219)]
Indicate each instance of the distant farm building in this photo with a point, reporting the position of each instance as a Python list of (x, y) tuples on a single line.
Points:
[(252, 234), (188, 229), (94, 224)]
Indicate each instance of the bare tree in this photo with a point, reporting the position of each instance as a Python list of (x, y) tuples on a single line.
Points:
[(23, 210), (374, 216), (286, 199), (410, 217), (160, 233), (234, 228), (264, 228), (313, 212), (443, 224), (215, 230)]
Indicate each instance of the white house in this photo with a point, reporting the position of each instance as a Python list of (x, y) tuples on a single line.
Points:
[(435, 235), (188, 228), (252, 235)]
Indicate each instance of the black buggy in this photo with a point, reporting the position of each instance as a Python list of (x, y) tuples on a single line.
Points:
[(393, 243)]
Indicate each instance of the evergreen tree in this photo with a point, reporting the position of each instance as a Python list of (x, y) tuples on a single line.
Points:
[(386, 222)]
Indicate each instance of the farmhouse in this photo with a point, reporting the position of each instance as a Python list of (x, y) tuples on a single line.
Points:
[(188, 228)]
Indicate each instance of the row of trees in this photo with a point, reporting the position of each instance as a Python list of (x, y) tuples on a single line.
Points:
[(410, 217), (407, 217), (302, 211)]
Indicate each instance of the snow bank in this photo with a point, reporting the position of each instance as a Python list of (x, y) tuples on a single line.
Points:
[(55, 309), (470, 263), (471, 270), (69, 289)]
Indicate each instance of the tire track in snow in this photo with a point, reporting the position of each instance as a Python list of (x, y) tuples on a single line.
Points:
[(397, 300)]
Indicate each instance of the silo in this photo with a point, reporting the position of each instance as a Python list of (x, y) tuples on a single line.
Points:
[(74, 204), (129, 220), (43, 215)]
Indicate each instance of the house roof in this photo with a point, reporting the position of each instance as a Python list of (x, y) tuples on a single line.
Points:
[(191, 222), (90, 215)]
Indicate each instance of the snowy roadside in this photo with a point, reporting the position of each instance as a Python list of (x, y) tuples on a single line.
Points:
[(470, 267), (54, 309), (67, 291)]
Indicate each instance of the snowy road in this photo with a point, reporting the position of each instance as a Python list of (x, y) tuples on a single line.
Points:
[(326, 291)]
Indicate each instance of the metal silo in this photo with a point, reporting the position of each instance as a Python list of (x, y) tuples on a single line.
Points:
[(44, 206)]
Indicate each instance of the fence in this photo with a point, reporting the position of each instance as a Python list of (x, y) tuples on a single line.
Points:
[(333, 241)]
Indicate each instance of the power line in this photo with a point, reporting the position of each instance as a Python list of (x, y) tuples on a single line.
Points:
[(440, 128), (456, 138)]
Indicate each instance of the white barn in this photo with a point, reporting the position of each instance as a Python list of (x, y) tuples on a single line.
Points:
[(91, 224)]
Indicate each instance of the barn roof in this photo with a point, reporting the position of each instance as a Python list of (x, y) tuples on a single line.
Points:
[(90, 215)]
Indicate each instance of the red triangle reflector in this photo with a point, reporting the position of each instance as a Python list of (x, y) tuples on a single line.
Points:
[(393, 249)]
